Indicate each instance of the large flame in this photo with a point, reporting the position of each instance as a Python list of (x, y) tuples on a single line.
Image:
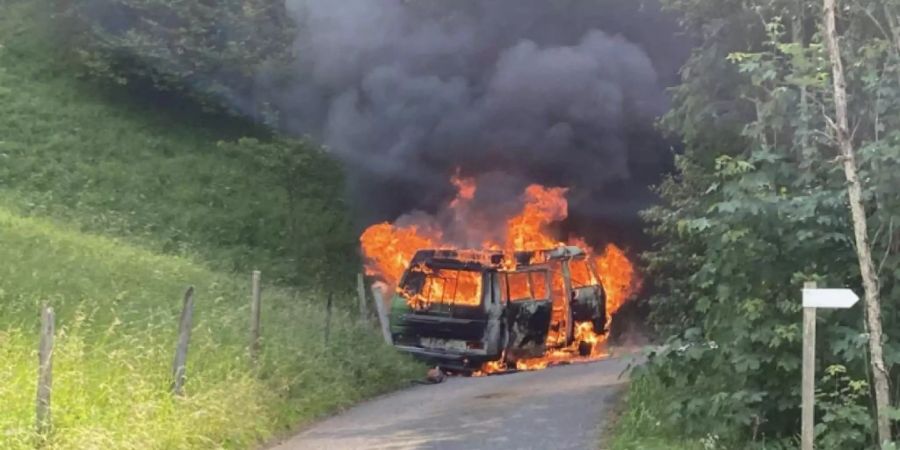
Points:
[(389, 248), (543, 206), (618, 278)]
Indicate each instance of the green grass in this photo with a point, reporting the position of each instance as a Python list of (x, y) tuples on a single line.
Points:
[(639, 426), (128, 161), (642, 424), (112, 202), (118, 307)]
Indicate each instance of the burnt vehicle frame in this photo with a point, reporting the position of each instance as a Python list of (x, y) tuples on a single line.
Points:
[(460, 309)]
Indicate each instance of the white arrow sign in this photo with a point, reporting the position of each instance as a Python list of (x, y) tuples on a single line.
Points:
[(829, 298)]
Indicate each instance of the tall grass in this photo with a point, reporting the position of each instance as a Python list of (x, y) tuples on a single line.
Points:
[(118, 308), (643, 424), (639, 425)]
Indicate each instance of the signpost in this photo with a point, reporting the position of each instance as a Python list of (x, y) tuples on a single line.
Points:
[(815, 298), (828, 298)]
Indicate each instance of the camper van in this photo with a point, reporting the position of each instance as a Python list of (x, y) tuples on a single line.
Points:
[(462, 308)]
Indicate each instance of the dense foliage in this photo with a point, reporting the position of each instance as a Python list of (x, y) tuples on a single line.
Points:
[(212, 51), (758, 206)]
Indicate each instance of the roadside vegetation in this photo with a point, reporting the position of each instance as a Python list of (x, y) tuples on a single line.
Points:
[(641, 413), (113, 200), (117, 311), (759, 204)]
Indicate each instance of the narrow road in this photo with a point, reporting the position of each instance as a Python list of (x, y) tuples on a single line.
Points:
[(563, 407)]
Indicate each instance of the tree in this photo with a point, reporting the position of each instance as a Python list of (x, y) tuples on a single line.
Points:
[(860, 223), (758, 205)]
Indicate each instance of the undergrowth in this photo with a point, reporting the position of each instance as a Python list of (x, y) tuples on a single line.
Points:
[(639, 426), (647, 421)]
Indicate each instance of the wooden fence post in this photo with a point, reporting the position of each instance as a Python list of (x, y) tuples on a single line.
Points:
[(45, 370), (179, 366), (808, 378), (361, 292), (255, 307), (382, 316), (328, 317)]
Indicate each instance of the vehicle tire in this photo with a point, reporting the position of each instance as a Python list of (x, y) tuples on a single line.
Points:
[(585, 348)]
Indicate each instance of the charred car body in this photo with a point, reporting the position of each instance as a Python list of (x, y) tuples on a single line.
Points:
[(461, 309)]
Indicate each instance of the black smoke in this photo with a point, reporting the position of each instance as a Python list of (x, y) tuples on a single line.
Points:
[(512, 92)]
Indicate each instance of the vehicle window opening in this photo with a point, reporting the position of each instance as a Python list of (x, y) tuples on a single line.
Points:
[(581, 273), (444, 286), (539, 285), (522, 286), (517, 283)]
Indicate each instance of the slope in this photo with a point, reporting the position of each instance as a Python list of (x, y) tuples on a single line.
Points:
[(118, 308), (112, 201), (126, 160)]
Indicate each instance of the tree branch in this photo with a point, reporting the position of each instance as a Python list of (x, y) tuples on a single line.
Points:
[(887, 248), (892, 24), (877, 23)]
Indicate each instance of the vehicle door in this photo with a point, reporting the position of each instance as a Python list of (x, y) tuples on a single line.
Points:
[(528, 310), (588, 300)]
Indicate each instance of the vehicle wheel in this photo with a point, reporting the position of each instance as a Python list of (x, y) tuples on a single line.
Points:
[(585, 348)]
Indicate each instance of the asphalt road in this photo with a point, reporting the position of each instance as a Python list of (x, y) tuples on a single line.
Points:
[(564, 407)]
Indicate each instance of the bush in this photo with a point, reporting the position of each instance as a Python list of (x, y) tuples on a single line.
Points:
[(212, 51)]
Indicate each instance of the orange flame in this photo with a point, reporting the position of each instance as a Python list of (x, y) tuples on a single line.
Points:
[(388, 250), (465, 190), (528, 230), (618, 278)]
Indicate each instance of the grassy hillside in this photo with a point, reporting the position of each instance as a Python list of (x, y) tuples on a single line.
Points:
[(112, 202), (128, 161), (118, 308)]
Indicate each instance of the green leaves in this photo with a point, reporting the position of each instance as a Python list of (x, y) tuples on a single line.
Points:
[(210, 51), (694, 225), (844, 423), (759, 205)]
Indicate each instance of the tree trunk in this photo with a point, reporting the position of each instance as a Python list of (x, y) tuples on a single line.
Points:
[(860, 227)]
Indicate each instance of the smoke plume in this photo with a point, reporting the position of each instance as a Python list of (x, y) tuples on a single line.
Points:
[(512, 92)]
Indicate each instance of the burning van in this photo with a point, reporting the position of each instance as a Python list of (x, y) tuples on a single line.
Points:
[(462, 309)]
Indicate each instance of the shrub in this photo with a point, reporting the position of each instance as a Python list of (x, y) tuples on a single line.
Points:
[(211, 51)]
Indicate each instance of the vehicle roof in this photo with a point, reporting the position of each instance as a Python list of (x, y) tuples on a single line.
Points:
[(490, 259)]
